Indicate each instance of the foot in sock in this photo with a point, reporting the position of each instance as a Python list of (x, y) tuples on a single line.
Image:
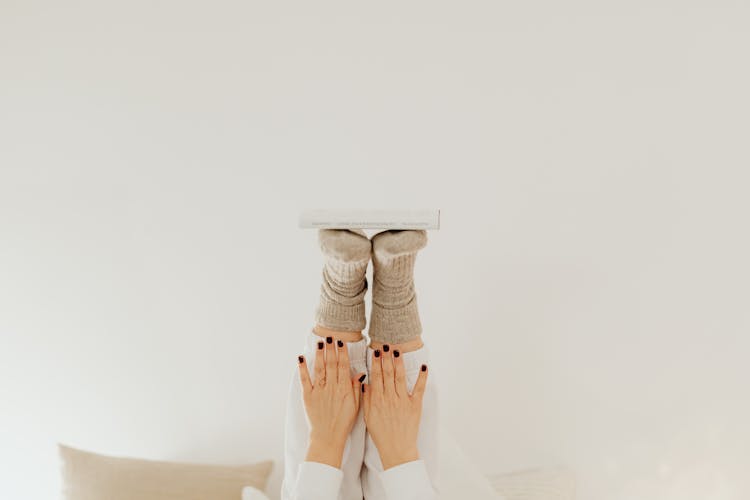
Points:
[(342, 292), (395, 317)]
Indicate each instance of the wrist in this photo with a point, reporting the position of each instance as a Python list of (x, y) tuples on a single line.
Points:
[(325, 452)]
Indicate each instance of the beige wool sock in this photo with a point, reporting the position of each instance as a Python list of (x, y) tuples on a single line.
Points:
[(395, 318), (342, 292)]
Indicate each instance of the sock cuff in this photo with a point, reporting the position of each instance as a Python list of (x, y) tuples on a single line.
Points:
[(338, 316), (391, 297), (395, 326)]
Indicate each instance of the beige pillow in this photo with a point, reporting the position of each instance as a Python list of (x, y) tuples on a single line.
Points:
[(555, 483), (89, 476)]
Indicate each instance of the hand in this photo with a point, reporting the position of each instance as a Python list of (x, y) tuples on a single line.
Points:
[(392, 414), (331, 401)]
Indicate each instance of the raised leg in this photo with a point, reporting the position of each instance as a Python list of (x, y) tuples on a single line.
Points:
[(340, 314), (395, 322)]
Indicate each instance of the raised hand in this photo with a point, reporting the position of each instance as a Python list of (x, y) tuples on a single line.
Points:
[(331, 401), (392, 414)]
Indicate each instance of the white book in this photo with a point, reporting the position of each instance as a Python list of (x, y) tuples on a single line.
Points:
[(370, 219)]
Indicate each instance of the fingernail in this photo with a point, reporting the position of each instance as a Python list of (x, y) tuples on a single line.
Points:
[(329, 339), (362, 377), (377, 353), (396, 353), (320, 345), (424, 368), (363, 388), (386, 348), (301, 359), (339, 343)]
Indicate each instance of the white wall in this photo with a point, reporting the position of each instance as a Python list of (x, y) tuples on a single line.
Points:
[(587, 297)]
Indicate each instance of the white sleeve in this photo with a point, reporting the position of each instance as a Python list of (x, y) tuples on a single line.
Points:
[(408, 481), (316, 481)]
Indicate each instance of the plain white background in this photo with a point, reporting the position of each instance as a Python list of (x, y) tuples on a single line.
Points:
[(586, 298)]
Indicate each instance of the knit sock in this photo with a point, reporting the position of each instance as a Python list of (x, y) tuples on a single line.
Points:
[(342, 292), (394, 318)]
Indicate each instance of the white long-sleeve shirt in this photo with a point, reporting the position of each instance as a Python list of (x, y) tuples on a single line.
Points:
[(408, 481)]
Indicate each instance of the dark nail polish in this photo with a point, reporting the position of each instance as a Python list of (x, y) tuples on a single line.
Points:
[(396, 353), (386, 348), (320, 345), (362, 378), (424, 368), (339, 343), (301, 359), (363, 388), (329, 339), (377, 353)]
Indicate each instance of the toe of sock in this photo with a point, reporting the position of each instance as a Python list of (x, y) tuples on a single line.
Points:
[(394, 243), (345, 245)]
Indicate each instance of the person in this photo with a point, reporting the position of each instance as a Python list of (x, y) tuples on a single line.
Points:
[(361, 418)]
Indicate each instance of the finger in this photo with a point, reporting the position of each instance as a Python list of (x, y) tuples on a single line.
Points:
[(343, 360), (320, 365), (419, 386), (304, 374), (398, 366), (331, 374), (366, 394), (389, 385), (376, 373), (357, 388)]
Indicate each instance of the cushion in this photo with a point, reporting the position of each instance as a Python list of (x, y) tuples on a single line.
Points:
[(89, 476), (554, 483)]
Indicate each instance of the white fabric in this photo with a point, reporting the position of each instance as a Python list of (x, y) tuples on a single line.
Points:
[(318, 481), (407, 481), (361, 471), (250, 493), (458, 477)]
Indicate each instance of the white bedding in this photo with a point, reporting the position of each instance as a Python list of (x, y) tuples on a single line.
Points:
[(460, 478), (457, 478)]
